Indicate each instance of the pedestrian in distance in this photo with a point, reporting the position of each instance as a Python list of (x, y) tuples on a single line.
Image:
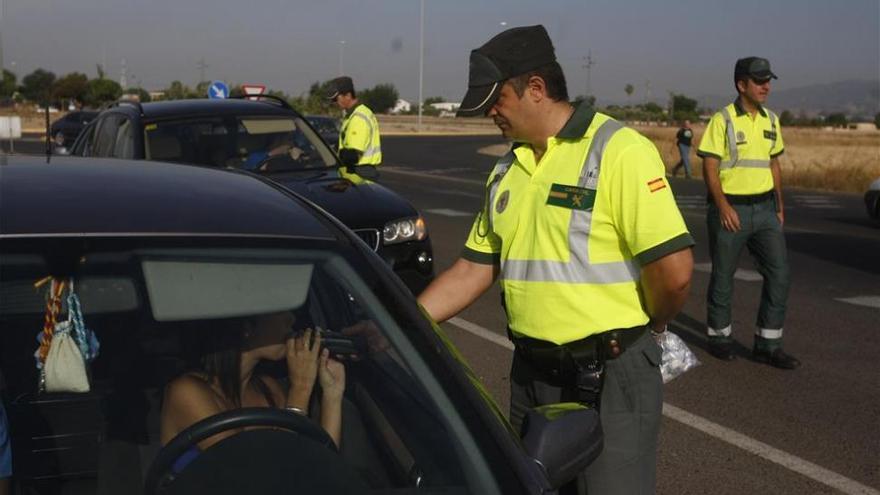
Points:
[(683, 140), (580, 225), (359, 134), (740, 151)]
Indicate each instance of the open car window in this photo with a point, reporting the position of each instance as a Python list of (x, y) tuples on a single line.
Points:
[(152, 308), (255, 143)]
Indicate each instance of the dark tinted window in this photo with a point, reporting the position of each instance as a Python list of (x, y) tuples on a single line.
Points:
[(105, 135)]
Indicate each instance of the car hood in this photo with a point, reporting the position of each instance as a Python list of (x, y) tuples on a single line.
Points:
[(360, 205)]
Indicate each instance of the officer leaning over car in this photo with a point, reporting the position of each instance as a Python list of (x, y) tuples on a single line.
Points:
[(740, 152), (582, 228), (360, 129)]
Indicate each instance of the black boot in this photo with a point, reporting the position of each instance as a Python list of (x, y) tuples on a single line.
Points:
[(777, 357), (722, 349)]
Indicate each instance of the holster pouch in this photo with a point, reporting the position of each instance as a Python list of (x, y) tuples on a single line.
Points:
[(588, 383)]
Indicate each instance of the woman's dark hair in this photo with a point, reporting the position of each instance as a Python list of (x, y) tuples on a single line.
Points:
[(219, 349), (553, 77)]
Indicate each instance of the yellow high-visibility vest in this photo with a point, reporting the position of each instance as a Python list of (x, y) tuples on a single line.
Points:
[(744, 146), (571, 233), (360, 131)]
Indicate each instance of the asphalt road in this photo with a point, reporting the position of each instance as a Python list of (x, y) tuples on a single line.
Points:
[(738, 427), (729, 428)]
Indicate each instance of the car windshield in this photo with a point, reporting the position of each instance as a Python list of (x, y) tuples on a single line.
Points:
[(160, 310), (256, 143)]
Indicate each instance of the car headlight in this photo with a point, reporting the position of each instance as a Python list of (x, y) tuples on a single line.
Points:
[(403, 230)]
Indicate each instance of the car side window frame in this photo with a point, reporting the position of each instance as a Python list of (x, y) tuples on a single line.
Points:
[(105, 135), (123, 144)]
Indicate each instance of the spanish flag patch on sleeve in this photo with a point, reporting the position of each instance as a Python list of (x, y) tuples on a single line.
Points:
[(656, 184)]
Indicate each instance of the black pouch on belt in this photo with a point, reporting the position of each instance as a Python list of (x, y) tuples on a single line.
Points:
[(588, 383)]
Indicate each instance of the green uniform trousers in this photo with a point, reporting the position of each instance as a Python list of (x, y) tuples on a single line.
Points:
[(630, 411), (762, 233)]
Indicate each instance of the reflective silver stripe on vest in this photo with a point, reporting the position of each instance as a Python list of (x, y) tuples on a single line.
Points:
[(578, 269), (370, 150), (772, 128), (734, 160)]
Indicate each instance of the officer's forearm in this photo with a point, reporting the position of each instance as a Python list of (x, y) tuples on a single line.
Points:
[(666, 283), (456, 288), (713, 184)]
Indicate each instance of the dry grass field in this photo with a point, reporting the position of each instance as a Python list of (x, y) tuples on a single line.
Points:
[(838, 160)]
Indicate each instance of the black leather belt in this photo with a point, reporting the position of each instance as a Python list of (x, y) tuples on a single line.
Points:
[(746, 199), (564, 361)]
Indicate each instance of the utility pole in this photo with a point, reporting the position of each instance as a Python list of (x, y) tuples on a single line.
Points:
[(588, 64), (123, 80), (421, 59), (202, 66), (647, 90)]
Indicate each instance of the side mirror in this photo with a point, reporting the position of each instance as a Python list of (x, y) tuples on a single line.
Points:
[(563, 439), (61, 150)]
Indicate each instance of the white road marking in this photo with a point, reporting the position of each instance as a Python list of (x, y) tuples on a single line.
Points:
[(869, 301), (446, 212), (741, 274), (750, 445)]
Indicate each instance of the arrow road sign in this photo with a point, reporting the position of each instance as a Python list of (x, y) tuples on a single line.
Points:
[(218, 89)]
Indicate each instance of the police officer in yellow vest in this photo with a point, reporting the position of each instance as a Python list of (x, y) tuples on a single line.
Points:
[(582, 228), (740, 152), (360, 129)]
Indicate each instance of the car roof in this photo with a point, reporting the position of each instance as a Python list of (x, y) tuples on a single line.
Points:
[(72, 195), (208, 107)]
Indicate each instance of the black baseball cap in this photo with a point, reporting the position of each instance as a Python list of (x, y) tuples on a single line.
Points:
[(341, 84), (755, 67), (510, 53)]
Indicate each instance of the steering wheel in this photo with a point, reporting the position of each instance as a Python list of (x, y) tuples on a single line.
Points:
[(295, 428)]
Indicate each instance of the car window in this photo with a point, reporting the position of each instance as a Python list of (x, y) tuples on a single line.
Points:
[(84, 144), (256, 143), (124, 145), (105, 135), (155, 308)]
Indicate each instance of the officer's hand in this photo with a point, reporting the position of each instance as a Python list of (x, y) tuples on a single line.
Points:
[(729, 218), (781, 216)]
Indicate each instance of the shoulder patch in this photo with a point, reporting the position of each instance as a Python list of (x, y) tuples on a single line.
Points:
[(656, 184)]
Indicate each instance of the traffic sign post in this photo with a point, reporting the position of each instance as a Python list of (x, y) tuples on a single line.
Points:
[(253, 90), (218, 90)]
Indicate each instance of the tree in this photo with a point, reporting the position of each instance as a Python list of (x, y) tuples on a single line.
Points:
[(142, 95), (590, 101), (380, 98), (684, 108), (101, 91), (836, 120), (8, 85), (71, 86), (177, 91), (786, 118), (877, 120), (37, 86), (629, 91)]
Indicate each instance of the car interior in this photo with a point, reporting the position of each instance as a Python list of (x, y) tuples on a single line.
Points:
[(150, 307)]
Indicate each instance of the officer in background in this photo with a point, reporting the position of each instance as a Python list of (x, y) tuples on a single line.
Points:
[(683, 140), (740, 152), (360, 129), (582, 228)]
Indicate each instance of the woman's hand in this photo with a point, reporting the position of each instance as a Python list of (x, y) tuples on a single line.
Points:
[(331, 374), (302, 367)]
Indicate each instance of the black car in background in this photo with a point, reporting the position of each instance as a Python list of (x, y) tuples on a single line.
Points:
[(65, 130), (327, 127), (269, 138), (162, 257)]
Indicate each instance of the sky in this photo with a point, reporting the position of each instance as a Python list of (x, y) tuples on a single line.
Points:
[(681, 46)]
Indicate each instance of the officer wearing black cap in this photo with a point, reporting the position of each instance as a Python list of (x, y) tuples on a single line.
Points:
[(581, 227), (740, 151), (359, 134)]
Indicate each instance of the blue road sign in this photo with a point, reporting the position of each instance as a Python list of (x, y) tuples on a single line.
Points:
[(218, 89)]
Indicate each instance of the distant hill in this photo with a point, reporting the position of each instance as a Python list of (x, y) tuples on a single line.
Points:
[(854, 98)]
